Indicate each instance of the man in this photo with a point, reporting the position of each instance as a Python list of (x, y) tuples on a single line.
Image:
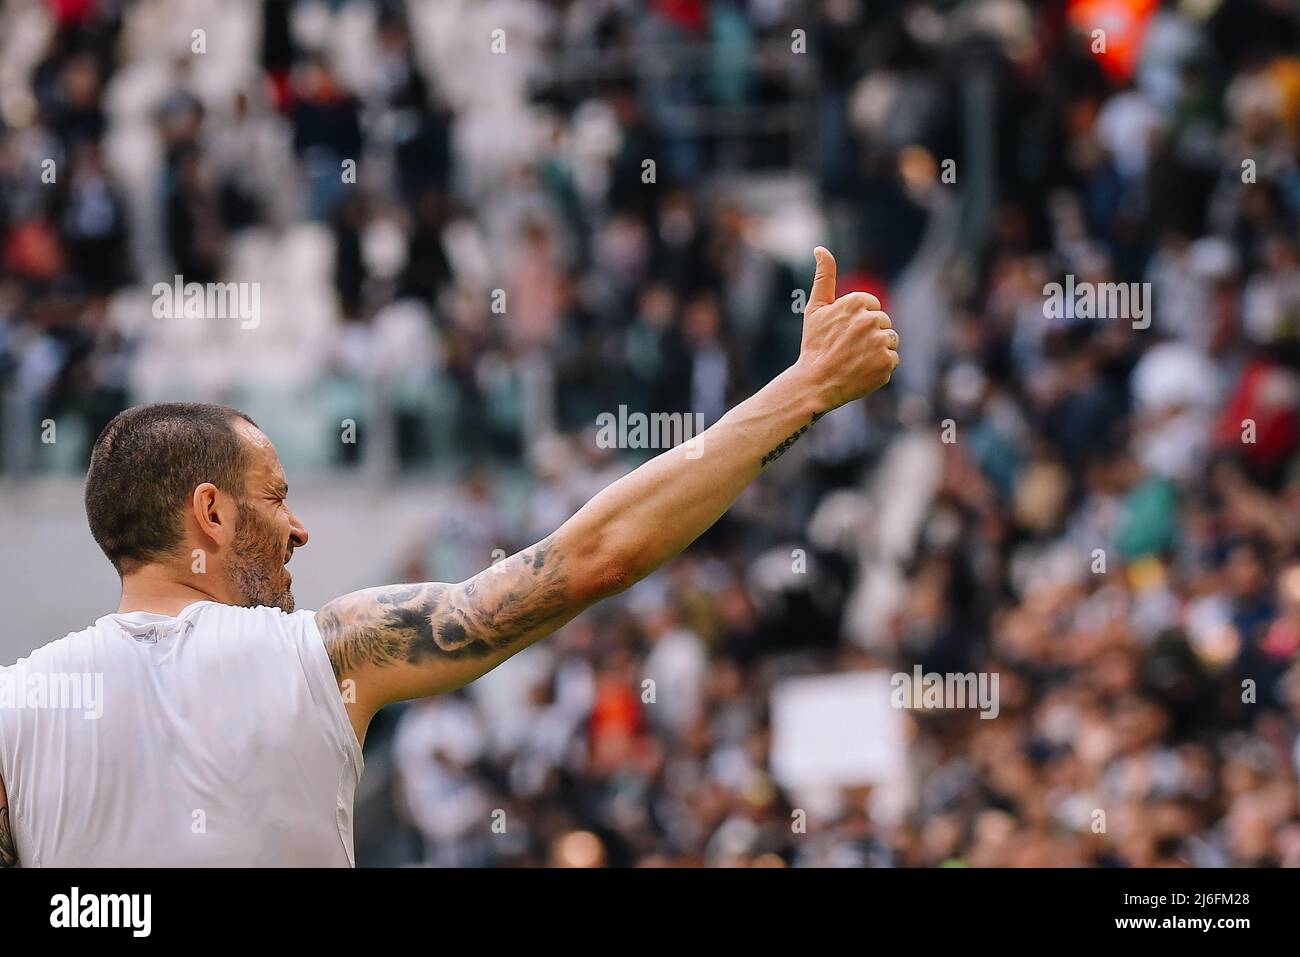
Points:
[(230, 726)]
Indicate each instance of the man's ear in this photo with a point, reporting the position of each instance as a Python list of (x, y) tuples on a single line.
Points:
[(214, 514)]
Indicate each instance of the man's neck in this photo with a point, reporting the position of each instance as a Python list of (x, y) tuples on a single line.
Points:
[(158, 590)]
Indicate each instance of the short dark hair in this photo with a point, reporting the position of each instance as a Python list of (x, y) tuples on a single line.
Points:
[(145, 466)]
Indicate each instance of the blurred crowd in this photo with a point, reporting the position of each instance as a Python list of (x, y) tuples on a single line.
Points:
[(487, 224)]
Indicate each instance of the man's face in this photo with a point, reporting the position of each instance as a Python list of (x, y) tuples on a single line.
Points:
[(268, 531)]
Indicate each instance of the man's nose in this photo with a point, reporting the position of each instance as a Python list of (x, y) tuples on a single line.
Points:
[(297, 531)]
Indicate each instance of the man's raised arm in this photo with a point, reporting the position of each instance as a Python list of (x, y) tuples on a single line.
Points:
[(408, 641)]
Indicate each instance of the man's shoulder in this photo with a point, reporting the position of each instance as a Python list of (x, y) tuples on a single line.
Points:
[(53, 647), (210, 617), (257, 621), (267, 612)]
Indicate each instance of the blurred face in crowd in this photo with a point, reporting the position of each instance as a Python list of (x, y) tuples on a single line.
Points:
[(1246, 573), (81, 81), (1288, 591)]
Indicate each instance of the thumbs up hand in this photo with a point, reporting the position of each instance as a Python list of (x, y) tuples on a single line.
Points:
[(849, 346)]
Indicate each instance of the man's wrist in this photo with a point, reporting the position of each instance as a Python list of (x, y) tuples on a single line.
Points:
[(803, 392)]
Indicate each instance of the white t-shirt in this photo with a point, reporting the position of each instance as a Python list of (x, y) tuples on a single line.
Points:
[(214, 738)]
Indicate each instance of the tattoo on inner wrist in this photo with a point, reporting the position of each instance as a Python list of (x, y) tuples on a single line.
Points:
[(781, 449)]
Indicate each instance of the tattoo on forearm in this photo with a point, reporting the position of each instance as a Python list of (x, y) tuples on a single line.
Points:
[(8, 850), (784, 447), (416, 623)]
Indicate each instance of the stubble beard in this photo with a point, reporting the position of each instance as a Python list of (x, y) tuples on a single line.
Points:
[(255, 565)]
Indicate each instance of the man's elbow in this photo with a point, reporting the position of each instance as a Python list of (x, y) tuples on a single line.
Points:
[(604, 576)]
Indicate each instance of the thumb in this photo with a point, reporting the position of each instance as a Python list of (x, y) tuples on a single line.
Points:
[(823, 287)]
